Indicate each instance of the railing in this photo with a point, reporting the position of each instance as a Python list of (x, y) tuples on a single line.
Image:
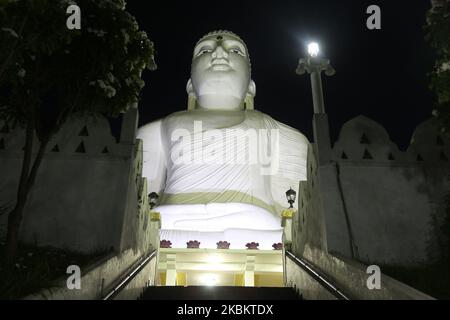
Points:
[(318, 276), (129, 276)]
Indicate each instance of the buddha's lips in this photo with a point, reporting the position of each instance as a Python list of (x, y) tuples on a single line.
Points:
[(221, 63), (220, 67)]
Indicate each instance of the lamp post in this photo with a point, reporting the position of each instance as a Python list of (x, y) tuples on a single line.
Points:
[(290, 196), (155, 221), (286, 219), (314, 64)]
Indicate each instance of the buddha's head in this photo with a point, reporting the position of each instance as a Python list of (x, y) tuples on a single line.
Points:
[(220, 72)]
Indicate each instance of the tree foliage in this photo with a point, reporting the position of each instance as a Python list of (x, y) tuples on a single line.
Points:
[(438, 35), (49, 73)]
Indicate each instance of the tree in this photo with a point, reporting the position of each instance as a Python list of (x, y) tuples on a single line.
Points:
[(49, 73), (438, 35), (438, 31)]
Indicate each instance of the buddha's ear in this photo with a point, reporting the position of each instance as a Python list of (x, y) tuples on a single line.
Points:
[(251, 92), (192, 100), (251, 88), (190, 88)]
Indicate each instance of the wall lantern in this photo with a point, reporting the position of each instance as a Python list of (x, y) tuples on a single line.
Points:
[(152, 199), (290, 196)]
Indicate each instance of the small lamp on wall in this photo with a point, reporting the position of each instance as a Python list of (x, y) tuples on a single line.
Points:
[(152, 199), (290, 196)]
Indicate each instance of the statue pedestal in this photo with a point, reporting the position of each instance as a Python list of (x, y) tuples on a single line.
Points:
[(220, 267)]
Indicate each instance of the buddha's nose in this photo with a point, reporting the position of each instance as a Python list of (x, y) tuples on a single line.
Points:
[(219, 53)]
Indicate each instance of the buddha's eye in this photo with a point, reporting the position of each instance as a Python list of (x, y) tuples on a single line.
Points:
[(237, 51), (203, 51)]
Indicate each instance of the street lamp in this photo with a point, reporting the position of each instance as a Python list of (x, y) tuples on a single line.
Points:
[(313, 49), (314, 65), (152, 199), (290, 196)]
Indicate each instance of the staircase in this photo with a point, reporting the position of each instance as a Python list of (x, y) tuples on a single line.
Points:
[(218, 293)]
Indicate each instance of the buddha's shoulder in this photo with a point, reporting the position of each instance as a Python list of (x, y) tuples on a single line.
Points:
[(286, 131), (150, 129), (159, 123), (180, 115)]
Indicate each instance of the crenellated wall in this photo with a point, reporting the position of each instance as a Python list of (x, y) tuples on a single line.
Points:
[(374, 202), (89, 193)]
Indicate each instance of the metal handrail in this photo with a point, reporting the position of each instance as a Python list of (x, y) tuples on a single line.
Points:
[(316, 275), (129, 276)]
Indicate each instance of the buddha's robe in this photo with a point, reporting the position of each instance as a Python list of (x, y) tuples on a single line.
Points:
[(222, 175)]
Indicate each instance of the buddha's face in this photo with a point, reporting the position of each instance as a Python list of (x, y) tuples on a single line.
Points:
[(220, 73)]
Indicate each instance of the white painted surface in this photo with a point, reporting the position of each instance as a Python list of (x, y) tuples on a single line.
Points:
[(207, 162)]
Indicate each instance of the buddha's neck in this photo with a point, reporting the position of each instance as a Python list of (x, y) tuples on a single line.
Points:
[(219, 102)]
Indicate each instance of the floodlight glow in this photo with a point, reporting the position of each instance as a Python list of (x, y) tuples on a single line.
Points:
[(209, 280), (215, 259), (313, 49)]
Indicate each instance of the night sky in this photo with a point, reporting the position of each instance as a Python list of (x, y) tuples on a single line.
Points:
[(381, 74)]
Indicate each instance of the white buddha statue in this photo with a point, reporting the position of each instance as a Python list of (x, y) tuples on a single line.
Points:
[(220, 167)]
